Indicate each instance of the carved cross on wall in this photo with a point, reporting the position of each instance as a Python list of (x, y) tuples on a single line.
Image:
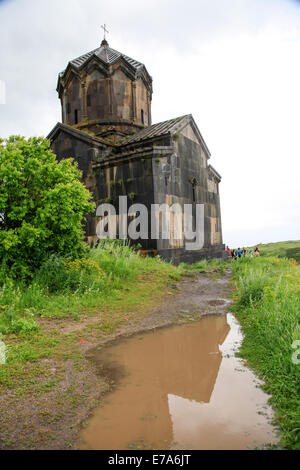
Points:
[(194, 181), (104, 29)]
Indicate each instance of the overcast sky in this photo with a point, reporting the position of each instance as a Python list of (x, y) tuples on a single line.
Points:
[(233, 64)]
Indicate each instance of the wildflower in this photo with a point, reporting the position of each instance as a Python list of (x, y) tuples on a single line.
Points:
[(83, 341)]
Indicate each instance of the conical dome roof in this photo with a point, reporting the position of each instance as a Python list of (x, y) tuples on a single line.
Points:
[(108, 56)]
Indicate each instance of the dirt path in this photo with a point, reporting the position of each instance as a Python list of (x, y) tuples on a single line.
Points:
[(207, 293), (53, 418)]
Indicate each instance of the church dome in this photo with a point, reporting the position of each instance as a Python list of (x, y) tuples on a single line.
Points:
[(105, 88), (109, 56)]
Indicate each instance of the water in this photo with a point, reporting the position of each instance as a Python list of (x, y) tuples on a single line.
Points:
[(180, 388)]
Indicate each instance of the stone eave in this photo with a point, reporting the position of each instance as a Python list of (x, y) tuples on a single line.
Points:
[(124, 66), (132, 72), (108, 121), (65, 77), (76, 133), (147, 79), (215, 173), (143, 152), (84, 64)]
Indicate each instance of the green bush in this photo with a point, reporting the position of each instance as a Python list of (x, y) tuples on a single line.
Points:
[(42, 205), (59, 274), (53, 274), (11, 322), (63, 287)]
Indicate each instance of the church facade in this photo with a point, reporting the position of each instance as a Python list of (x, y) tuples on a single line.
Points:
[(107, 128)]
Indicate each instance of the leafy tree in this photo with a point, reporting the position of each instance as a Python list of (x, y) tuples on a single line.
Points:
[(42, 205)]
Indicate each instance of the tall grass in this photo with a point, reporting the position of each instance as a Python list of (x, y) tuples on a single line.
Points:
[(205, 264), (64, 287), (267, 305)]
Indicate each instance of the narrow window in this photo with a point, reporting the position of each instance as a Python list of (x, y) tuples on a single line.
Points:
[(76, 116), (194, 183), (88, 100), (68, 108), (142, 116)]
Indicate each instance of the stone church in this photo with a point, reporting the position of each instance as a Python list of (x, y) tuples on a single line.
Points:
[(107, 128)]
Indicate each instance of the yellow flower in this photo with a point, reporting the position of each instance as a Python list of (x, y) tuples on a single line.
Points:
[(86, 266)]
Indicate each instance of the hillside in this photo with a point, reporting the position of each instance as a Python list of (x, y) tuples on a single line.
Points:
[(288, 249)]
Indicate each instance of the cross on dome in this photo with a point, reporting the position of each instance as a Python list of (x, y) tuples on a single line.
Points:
[(105, 30)]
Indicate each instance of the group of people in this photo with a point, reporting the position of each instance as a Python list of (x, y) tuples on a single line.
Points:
[(234, 254)]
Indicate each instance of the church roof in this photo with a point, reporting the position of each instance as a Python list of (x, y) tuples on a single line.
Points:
[(156, 130), (107, 55), (172, 126), (142, 137)]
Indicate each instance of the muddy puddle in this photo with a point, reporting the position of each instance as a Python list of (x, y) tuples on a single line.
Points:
[(180, 388)]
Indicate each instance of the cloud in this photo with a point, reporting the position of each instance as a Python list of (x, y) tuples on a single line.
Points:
[(235, 68)]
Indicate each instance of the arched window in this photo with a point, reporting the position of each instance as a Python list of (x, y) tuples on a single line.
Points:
[(194, 183), (142, 116)]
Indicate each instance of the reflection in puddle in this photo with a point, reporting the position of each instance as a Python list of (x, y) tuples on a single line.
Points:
[(180, 388)]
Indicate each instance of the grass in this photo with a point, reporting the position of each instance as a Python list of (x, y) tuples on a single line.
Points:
[(267, 299), (63, 288), (205, 264), (45, 324), (112, 286)]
